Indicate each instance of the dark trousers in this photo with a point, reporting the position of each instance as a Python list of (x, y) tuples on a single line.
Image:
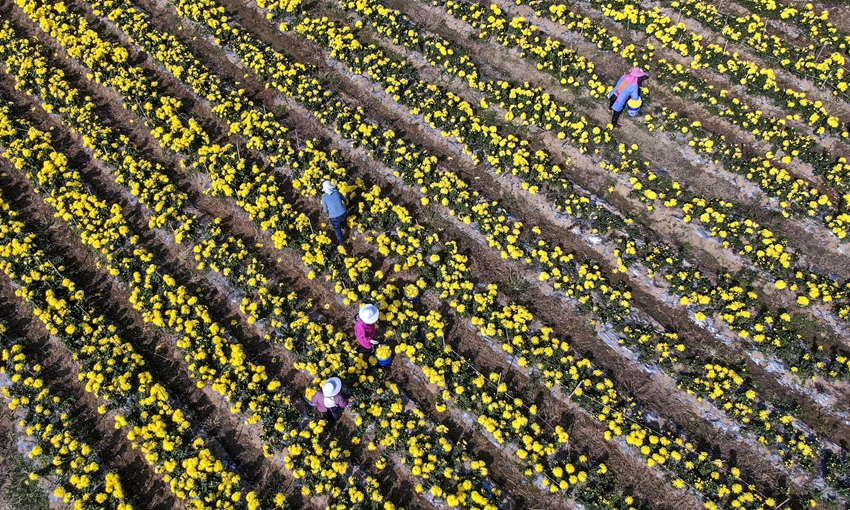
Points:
[(615, 117), (611, 100), (332, 414), (336, 223)]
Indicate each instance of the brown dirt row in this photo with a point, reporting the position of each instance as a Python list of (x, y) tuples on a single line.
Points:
[(675, 317), (679, 231), (788, 30), (219, 294), (674, 158), (609, 66), (211, 413), (144, 488), (16, 490), (785, 79), (506, 478), (838, 11), (515, 483)]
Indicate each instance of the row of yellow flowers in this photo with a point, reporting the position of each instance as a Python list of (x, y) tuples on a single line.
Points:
[(371, 10), (755, 78), (320, 479), (806, 17), (149, 182), (746, 236), (113, 371), (211, 357), (797, 195), (61, 452), (217, 34), (806, 61), (767, 252)]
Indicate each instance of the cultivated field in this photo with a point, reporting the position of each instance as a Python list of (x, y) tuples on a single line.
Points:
[(649, 317)]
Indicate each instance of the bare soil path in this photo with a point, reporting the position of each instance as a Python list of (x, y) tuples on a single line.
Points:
[(370, 110), (210, 412), (143, 488)]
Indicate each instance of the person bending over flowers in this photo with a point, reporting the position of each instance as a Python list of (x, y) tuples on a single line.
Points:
[(365, 330), (330, 402)]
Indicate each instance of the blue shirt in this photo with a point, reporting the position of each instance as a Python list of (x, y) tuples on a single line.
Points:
[(333, 204), (629, 92)]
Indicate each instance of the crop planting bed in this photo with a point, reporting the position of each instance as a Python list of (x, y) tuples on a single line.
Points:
[(656, 316)]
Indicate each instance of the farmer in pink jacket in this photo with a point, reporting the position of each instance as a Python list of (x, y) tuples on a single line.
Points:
[(330, 402), (628, 87), (365, 330)]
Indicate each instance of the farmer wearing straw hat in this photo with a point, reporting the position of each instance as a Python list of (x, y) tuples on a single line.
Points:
[(628, 87), (330, 402), (333, 203), (364, 328)]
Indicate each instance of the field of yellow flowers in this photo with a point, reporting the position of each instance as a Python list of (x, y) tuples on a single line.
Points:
[(655, 316)]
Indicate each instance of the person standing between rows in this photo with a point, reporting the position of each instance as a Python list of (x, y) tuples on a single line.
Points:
[(330, 402), (365, 330), (333, 203), (628, 87)]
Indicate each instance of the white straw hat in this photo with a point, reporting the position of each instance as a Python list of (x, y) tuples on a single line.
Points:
[(332, 387), (328, 187), (369, 314)]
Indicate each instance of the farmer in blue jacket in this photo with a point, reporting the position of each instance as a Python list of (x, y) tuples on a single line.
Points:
[(333, 203), (628, 87)]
